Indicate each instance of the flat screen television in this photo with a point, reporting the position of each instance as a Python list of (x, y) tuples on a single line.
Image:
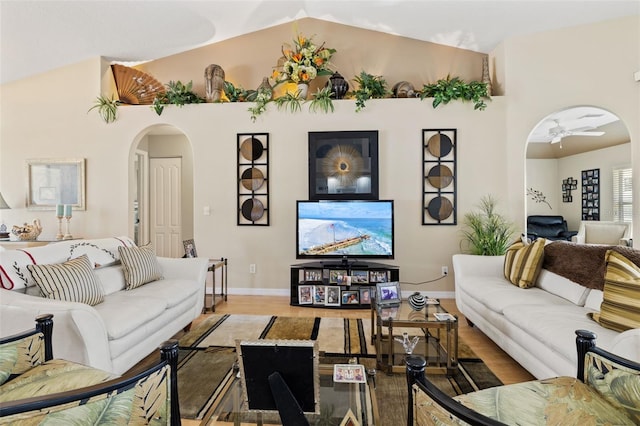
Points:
[(355, 229)]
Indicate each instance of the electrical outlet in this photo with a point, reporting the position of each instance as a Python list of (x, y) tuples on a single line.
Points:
[(252, 268), (445, 271)]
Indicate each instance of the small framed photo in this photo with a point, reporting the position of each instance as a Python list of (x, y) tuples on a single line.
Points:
[(359, 277), (365, 295), (388, 293), (332, 295), (189, 248), (337, 276), (312, 275), (319, 295), (305, 294), (378, 276), (349, 373), (350, 297)]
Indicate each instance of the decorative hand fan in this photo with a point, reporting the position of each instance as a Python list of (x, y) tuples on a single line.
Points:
[(135, 87)]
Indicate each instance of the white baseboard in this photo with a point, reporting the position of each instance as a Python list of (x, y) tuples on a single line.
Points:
[(286, 292)]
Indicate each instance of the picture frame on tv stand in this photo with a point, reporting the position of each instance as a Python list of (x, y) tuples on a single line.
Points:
[(343, 165)]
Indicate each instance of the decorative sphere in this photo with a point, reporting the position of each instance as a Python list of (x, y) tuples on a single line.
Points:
[(417, 301)]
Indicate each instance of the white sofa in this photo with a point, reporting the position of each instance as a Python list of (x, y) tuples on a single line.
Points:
[(119, 332), (535, 326)]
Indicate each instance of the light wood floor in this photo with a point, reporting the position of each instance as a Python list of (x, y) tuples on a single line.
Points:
[(507, 370)]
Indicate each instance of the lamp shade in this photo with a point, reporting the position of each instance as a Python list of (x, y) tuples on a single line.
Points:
[(3, 203)]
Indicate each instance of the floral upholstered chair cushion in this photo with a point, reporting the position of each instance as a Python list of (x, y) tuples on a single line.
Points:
[(20, 356), (617, 384), (52, 377), (142, 402), (560, 400)]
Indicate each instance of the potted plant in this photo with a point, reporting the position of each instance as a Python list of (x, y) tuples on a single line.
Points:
[(178, 94), (369, 87), (487, 232), (449, 89), (322, 100), (107, 108)]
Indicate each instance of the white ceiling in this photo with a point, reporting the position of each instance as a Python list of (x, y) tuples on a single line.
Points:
[(37, 36)]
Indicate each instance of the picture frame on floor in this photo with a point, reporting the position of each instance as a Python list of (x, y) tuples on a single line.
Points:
[(305, 294), (332, 295)]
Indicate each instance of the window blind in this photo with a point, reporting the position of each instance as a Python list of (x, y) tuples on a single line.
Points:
[(622, 194)]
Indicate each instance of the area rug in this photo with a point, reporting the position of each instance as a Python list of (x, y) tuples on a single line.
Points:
[(207, 354), (335, 336)]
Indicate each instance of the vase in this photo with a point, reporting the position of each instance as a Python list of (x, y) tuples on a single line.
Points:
[(339, 86), (417, 301), (303, 90), (486, 77), (265, 87)]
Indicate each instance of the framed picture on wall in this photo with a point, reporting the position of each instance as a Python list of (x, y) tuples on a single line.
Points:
[(343, 165), (591, 194)]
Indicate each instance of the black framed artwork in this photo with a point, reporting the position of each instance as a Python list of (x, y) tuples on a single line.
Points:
[(591, 194), (253, 179), (439, 176), (343, 165)]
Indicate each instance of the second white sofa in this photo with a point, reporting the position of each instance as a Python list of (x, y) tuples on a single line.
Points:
[(535, 326), (126, 326)]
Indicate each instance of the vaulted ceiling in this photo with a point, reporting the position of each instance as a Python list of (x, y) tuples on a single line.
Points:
[(37, 36)]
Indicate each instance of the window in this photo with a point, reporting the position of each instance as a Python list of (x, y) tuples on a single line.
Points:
[(622, 194)]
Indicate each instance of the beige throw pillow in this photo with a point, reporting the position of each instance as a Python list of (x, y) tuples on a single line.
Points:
[(522, 262), (71, 281), (140, 265), (620, 308)]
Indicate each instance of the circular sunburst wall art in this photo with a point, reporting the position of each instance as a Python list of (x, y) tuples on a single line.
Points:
[(343, 162)]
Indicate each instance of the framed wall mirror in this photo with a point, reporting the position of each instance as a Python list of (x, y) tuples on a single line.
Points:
[(56, 181)]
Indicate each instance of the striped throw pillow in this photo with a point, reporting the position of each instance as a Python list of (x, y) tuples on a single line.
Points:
[(620, 308), (140, 265), (71, 281), (522, 262)]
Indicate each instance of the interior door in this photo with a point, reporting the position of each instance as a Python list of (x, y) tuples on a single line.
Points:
[(165, 206)]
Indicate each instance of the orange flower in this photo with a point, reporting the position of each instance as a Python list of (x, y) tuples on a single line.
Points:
[(297, 57), (304, 76), (318, 61)]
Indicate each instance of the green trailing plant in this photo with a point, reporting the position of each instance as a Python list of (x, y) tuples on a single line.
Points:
[(290, 101), (107, 108), (487, 232), (449, 89), (322, 100), (369, 87), (177, 93), (261, 99)]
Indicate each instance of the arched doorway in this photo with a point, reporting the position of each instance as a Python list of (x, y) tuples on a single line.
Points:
[(567, 144), (161, 189)]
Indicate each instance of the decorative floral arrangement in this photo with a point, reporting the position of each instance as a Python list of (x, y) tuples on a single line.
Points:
[(304, 62)]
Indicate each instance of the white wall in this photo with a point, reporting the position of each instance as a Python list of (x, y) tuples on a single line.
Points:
[(542, 175), (46, 117)]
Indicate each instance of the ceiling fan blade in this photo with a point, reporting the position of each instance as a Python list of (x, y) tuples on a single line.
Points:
[(587, 133), (556, 139)]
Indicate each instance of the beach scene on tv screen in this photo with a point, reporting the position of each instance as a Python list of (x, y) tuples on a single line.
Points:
[(345, 229)]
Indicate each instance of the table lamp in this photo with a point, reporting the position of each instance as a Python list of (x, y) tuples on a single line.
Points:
[(3, 228)]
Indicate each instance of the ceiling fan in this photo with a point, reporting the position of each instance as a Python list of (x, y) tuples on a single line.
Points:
[(558, 132)]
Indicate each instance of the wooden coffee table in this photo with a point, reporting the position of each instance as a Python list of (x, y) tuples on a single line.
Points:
[(438, 339)]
